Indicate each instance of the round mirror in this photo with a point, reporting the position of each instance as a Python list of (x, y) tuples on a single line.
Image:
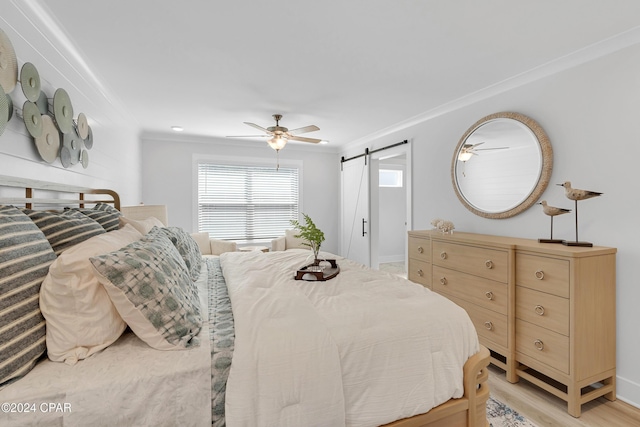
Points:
[(501, 165)]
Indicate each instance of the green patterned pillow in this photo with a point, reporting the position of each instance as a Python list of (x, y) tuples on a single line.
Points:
[(188, 248), (65, 229), (25, 257), (149, 285)]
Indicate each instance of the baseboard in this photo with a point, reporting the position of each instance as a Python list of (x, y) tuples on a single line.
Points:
[(628, 391), (391, 258)]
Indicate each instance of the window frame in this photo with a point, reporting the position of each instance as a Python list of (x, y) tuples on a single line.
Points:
[(244, 162), (399, 173)]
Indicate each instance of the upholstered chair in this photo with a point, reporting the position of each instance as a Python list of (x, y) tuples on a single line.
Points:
[(288, 241), (211, 246)]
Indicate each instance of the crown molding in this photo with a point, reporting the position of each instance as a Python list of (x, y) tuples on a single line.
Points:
[(586, 54)]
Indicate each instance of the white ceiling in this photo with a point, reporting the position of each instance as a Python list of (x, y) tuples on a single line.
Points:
[(353, 68)]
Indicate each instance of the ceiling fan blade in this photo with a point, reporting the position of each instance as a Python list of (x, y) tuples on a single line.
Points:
[(489, 149), (303, 139), (248, 136), (257, 127), (310, 128)]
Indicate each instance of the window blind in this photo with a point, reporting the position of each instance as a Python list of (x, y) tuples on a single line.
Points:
[(246, 203)]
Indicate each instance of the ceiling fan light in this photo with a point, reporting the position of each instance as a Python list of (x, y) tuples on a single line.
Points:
[(277, 143), (463, 156)]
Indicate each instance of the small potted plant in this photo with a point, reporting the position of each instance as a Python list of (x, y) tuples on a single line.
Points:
[(312, 235)]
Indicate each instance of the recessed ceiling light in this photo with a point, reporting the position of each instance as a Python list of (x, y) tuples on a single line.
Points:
[(324, 142), (177, 128)]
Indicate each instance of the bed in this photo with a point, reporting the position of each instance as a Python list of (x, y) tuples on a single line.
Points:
[(258, 348)]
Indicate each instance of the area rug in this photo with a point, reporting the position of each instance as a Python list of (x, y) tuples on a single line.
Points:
[(500, 415)]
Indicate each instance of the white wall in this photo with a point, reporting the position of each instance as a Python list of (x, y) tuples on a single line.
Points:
[(167, 176), (116, 143), (591, 114)]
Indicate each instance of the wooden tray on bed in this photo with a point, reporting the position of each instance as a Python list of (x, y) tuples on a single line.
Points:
[(319, 275)]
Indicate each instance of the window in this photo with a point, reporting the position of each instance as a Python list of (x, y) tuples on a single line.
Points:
[(246, 203), (390, 178)]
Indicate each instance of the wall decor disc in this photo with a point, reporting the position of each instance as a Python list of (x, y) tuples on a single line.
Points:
[(32, 118), (30, 81), (4, 109), (83, 126), (65, 157), (73, 143), (10, 102), (48, 144), (43, 103), (8, 64), (88, 141), (85, 159), (63, 110)]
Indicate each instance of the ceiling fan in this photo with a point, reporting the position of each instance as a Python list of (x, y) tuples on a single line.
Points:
[(279, 135), (469, 150)]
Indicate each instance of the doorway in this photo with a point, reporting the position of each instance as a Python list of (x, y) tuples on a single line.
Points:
[(376, 212), (392, 215)]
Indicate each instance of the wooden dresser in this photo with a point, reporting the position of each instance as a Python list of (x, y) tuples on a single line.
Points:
[(546, 311)]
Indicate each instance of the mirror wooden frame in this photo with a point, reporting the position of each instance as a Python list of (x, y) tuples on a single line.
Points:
[(545, 173)]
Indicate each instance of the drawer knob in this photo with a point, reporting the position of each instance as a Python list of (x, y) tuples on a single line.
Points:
[(443, 280), (489, 295), (539, 345), (489, 264), (488, 325), (539, 310), (420, 249), (420, 273), (443, 255), (539, 274)]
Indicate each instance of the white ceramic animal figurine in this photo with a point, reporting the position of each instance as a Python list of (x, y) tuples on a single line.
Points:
[(552, 210), (576, 194)]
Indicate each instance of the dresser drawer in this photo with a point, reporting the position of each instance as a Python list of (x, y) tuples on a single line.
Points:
[(482, 292), (489, 263), (419, 248), (420, 272), (489, 325), (543, 345), (550, 275), (546, 310)]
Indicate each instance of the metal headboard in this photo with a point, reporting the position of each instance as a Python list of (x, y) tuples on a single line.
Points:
[(60, 194)]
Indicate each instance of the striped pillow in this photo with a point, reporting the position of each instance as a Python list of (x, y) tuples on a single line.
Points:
[(63, 230), (107, 219), (25, 256), (107, 208)]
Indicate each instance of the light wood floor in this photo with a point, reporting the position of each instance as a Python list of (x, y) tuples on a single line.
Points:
[(545, 410)]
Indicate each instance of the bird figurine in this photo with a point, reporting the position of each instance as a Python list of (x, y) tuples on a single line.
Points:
[(552, 211), (576, 195)]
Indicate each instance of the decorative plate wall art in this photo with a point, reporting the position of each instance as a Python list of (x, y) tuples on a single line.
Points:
[(8, 64), (49, 121)]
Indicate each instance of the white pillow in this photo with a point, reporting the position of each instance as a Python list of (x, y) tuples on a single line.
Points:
[(144, 226), (81, 320)]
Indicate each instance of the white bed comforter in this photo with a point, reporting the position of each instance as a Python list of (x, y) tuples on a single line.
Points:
[(363, 349)]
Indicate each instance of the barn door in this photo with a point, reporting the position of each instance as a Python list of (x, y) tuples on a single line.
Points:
[(355, 210)]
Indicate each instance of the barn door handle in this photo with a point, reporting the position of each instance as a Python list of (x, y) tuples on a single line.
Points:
[(363, 223)]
